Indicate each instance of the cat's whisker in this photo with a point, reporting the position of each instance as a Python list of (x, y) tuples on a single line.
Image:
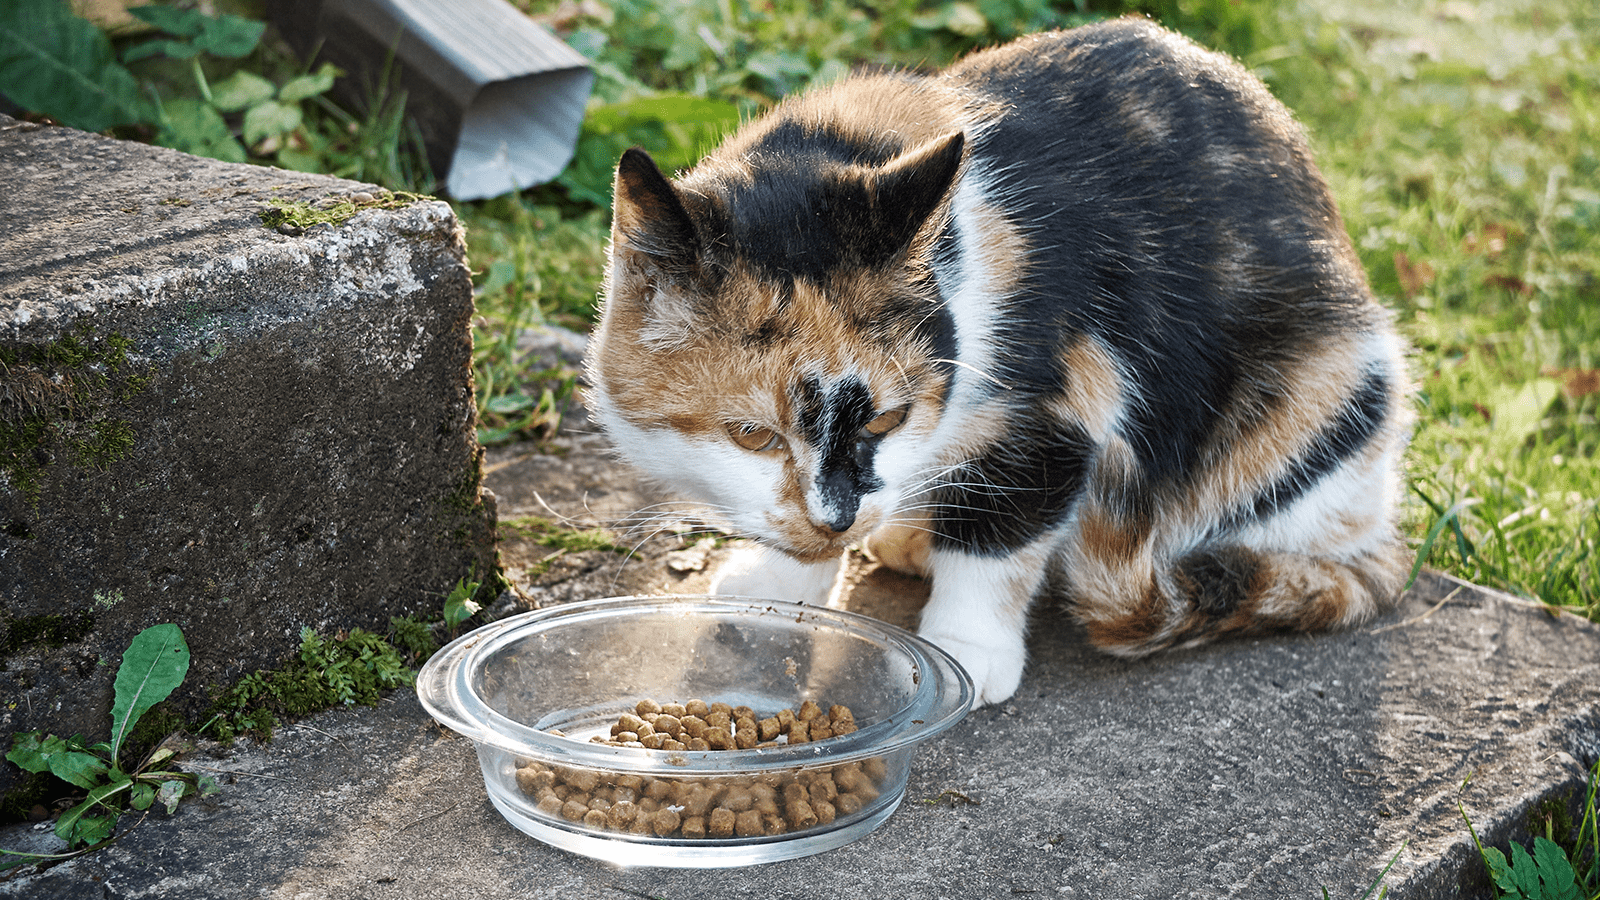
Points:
[(974, 370)]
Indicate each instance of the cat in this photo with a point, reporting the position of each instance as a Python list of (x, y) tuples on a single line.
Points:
[(1076, 317)]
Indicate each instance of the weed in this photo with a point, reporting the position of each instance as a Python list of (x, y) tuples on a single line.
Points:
[(347, 669), (56, 406), (547, 533), (208, 85), (153, 666), (413, 637), (1563, 865), (459, 605)]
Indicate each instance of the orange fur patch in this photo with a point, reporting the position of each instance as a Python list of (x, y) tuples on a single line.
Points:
[(903, 544)]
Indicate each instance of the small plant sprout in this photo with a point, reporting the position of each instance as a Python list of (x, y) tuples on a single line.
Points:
[(153, 666), (459, 605)]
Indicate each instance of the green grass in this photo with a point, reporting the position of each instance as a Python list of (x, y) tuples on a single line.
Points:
[(1460, 142), (1459, 139)]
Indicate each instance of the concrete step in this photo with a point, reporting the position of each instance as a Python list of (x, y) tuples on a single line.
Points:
[(208, 421), (1260, 769)]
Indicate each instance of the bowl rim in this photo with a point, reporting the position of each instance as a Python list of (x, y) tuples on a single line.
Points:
[(944, 693)]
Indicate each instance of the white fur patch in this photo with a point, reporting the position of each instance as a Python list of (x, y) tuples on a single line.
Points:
[(735, 486), (978, 613), (763, 573), (969, 285)]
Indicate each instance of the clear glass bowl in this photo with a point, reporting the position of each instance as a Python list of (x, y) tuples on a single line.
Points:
[(576, 668)]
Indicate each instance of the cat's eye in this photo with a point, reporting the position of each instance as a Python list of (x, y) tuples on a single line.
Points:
[(884, 423), (754, 437)]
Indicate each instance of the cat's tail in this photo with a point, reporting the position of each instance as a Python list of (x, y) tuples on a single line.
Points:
[(1234, 590)]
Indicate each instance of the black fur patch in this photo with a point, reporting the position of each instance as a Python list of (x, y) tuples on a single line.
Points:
[(1133, 240), (831, 420), (1217, 581), (1008, 496)]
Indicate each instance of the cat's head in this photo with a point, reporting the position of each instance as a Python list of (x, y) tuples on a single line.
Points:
[(772, 344)]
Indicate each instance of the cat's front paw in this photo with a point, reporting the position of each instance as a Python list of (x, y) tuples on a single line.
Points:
[(756, 571), (995, 668), (903, 547)]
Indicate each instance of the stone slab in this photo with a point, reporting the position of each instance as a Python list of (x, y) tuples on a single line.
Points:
[(1259, 769), (209, 422)]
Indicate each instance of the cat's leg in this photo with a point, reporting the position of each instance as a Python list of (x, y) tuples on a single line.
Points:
[(755, 570), (978, 613)]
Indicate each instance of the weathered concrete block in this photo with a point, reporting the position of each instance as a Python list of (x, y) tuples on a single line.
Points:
[(207, 421)]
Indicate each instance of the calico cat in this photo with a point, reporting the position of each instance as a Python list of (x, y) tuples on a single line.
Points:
[(1076, 317)]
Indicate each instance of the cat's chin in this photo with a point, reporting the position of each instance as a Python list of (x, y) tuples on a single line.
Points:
[(811, 553)]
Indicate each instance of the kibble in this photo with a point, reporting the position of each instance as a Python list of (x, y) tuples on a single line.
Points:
[(767, 804)]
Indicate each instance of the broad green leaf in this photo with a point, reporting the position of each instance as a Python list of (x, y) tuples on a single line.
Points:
[(166, 47), (268, 119), (82, 769), (79, 826), (459, 606), (1523, 876), (181, 22), (84, 829), (142, 795), (152, 668), (169, 794), (229, 36), (62, 758), (240, 90), (196, 127), (307, 86), (53, 62), (1555, 871), (27, 752), (1499, 869)]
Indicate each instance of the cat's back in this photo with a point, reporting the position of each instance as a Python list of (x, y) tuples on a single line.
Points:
[(1128, 75)]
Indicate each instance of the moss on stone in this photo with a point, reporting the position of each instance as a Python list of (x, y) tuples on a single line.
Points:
[(49, 631), (292, 216), (56, 408)]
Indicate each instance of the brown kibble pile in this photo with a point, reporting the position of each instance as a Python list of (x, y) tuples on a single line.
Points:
[(698, 725), (714, 807)]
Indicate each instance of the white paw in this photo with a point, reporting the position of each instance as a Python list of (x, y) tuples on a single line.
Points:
[(995, 668), (755, 571)]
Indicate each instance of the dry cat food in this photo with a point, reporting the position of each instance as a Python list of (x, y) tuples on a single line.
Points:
[(712, 807)]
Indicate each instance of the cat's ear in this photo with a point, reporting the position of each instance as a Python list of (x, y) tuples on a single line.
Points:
[(650, 215), (907, 190)]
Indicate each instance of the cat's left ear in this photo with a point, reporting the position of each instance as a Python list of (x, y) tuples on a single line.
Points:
[(907, 190)]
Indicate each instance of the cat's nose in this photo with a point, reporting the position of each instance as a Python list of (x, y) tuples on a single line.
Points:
[(838, 523)]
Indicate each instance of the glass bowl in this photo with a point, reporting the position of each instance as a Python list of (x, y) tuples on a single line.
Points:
[(532, 691)]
